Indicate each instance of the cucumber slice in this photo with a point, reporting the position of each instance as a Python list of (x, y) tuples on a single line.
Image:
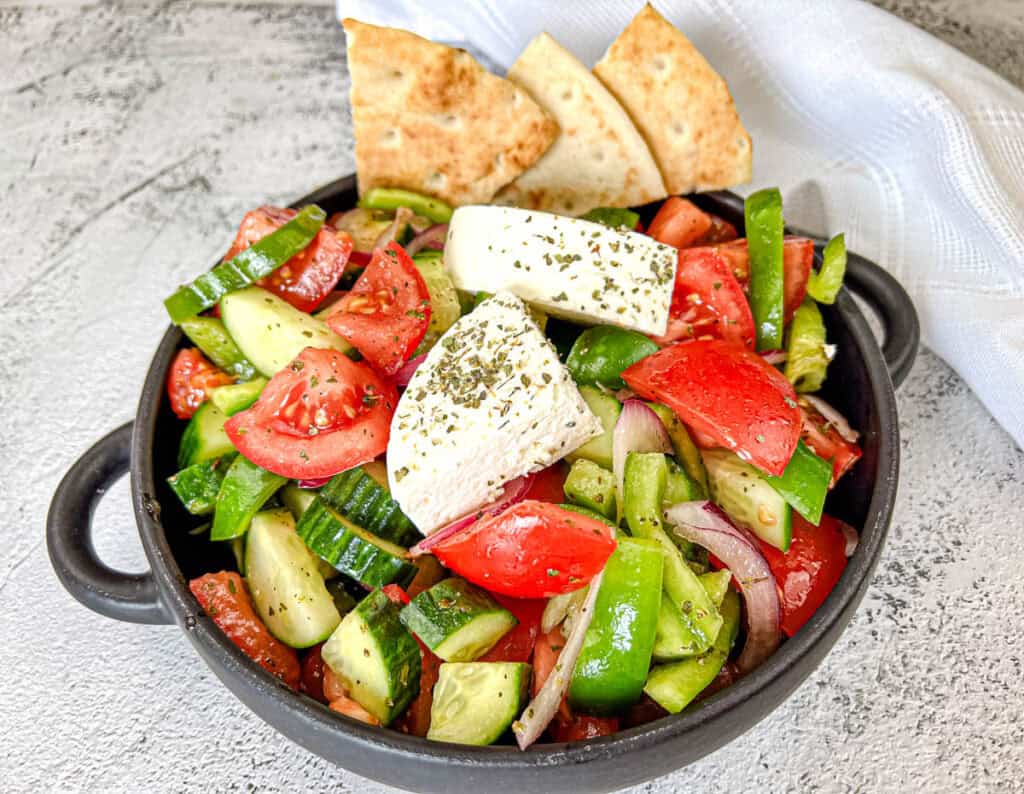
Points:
[(211, 337), (204, 437), (476, 702), (361, 495), (680, 487), (237, 397), (612, 667), (297, 499), (246, 488), (748, 499), (363, 556), (289, 593), (674, 686), (685, 450), (591, 486), (644, 480), (444, 300), (456, 620), (675, 638), (391, 198), (271, 332), (607, 409), (198, 485), (375, 657)]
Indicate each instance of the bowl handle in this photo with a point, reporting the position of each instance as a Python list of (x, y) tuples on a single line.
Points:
[(887, 298), (123, 596)]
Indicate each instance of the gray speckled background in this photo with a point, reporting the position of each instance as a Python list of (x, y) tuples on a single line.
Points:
[(132, 137)]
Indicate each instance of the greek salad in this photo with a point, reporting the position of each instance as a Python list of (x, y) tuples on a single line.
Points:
[(499, 475)]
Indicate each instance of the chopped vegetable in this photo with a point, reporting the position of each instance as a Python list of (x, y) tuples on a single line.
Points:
[(380, 198), (763, 220), (824, 285), (807, 355)]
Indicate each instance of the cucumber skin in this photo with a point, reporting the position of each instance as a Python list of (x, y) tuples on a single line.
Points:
[(644, 478), (204, 437), (213, 339), (198, 485), (246, 488), (609, 677), (354, 556), (357, 496), (446, 609), (272, 548), (485, 714), (674, 686), (396, 647)]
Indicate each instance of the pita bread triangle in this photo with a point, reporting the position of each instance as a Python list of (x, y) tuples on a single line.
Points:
[(429, 118), (599, 159), (680, 105)]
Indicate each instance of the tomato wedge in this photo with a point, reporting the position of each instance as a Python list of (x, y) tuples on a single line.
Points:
[(386, 314), (720, 231), (797, 259), (312, 682), (549, 484), (726, 393), (225, 599), (322, 414), (307, 278), (806, 574), (190, 381), (679, 223), (531, 550), (517, 644), (707, 301), (582, 726), (826, 442), (545, 656)]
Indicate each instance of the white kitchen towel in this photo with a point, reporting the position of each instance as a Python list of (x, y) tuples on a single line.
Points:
[(867, 124)]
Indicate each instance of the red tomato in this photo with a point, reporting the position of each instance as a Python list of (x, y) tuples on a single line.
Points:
[(307, 278), (549, 484), (386, 313), (726, 393), (345, 705), (517, 645), (531, 550), (312, 682), (224, 598), (583, 726), (707, 301), (797, 259), (190, 381), (545, 656), (333, 688), (322, 414), (806, 574), (825, 441), (416, 719), (721, 231), (679, 223), (396, 594)]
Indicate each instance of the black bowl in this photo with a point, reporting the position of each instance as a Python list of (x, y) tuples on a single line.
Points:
[(860, 384)]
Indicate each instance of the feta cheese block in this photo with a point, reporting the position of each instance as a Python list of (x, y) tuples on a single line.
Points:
[(571, 268), (491, 402)]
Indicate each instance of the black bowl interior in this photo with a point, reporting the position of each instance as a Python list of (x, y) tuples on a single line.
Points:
[(858, 385)]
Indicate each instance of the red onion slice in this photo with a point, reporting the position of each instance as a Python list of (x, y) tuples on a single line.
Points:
[(404, 375), (833, 417), (318, 482), (514, 491), (433, 238), (852, 538), (402, 217), (542, 709), (638, 429), (704, 524), (774, 357)]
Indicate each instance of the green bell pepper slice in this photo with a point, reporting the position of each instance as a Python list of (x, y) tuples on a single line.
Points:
[(806, 354), (211, 337), (258, 260), (599, 355), (387, 198), (804, 484), (824, 285), (614, 217), (612, 667), (763, 218)]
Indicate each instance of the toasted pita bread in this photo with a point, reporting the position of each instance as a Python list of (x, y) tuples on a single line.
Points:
[(599, 159), (430, 118), (679, 103)]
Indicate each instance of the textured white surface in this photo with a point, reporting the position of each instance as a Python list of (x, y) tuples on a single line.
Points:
[(132, 138)]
